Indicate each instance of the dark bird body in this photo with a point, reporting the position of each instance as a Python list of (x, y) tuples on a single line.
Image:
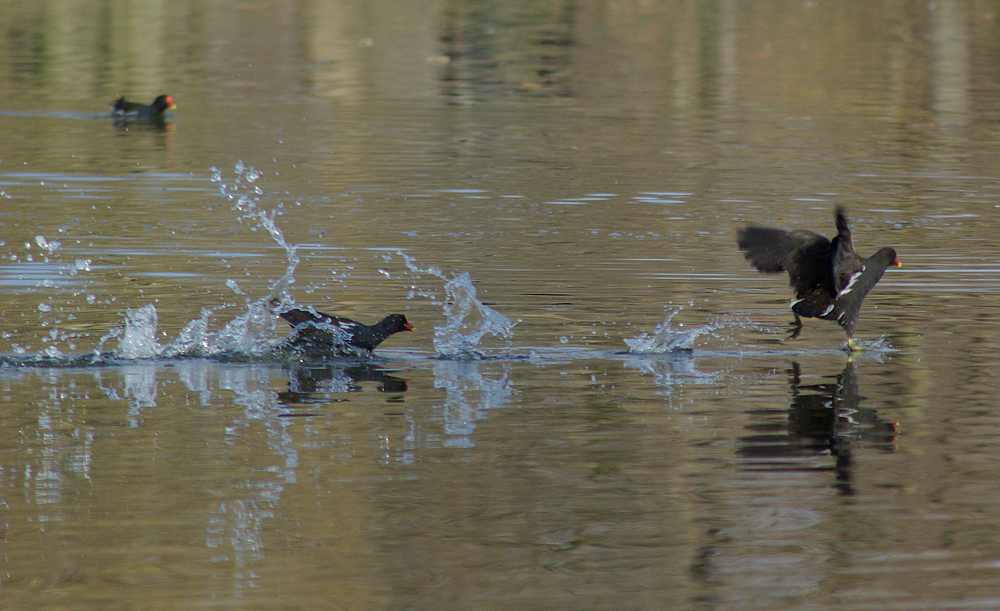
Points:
[(830, 280), (311, 336), (122, 108)]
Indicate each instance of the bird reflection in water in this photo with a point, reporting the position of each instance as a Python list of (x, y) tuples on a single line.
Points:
[(822, 419), (316, 385)]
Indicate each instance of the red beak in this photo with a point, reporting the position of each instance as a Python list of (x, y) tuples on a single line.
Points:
[(898, 263), (408, 326)]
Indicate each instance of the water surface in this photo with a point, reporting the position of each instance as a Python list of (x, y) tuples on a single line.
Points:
[(587, 165)]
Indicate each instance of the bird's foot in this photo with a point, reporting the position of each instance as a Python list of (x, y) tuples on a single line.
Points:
[(853, 345)]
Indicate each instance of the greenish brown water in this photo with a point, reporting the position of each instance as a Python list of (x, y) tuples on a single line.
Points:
[(588, 164)]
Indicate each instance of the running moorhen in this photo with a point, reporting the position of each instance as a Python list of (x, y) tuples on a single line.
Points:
[(122, 108), (830, 279), (314, 339)]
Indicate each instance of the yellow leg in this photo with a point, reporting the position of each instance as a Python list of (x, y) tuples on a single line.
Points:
[(852, 345)]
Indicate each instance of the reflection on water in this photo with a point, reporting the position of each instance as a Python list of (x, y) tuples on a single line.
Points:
[(469, 396), (317, 385), (822, 420), (59, 456)]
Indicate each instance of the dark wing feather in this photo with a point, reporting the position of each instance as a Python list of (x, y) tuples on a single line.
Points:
[(122, 105), (313, 338), (296, 317), (769, 250), (809, 267)]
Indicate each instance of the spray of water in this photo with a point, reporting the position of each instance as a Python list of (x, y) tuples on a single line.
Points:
[(467, 320), (668, 337), (249, 333)]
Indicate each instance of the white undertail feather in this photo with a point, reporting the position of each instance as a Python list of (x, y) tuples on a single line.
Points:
[(795, 302)]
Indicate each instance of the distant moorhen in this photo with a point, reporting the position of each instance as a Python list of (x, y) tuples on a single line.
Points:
[(123, 108), (830, 280), (312, 338)]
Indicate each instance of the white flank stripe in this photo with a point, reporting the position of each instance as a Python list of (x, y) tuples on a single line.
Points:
[(850, 283), (828, 310), (795, 302)]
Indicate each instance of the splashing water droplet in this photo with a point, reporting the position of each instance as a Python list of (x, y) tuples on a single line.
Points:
[(467, 319), (138, 338), (668, 338), (49, 246)]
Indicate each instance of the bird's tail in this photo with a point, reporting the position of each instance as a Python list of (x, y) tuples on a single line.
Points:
[(842, 226)]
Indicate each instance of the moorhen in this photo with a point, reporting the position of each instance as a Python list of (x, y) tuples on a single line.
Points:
[(314, 339), (830, 279), (122, 108)]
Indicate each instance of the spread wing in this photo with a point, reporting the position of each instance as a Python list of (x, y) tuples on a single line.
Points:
[(775, 250), (770, 250), (809, 268)]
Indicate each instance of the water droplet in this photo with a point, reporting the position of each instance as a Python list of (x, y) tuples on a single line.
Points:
[(563, 339), (44, 307), (46, 245)]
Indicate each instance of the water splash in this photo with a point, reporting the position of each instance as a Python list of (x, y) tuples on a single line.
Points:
[(244, 196), (138, 337), (49, 246), (251, 333), (467, 320), (876, 347), (669, 338)]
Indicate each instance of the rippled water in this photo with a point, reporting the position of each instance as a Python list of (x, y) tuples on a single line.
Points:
[(599, 406)]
